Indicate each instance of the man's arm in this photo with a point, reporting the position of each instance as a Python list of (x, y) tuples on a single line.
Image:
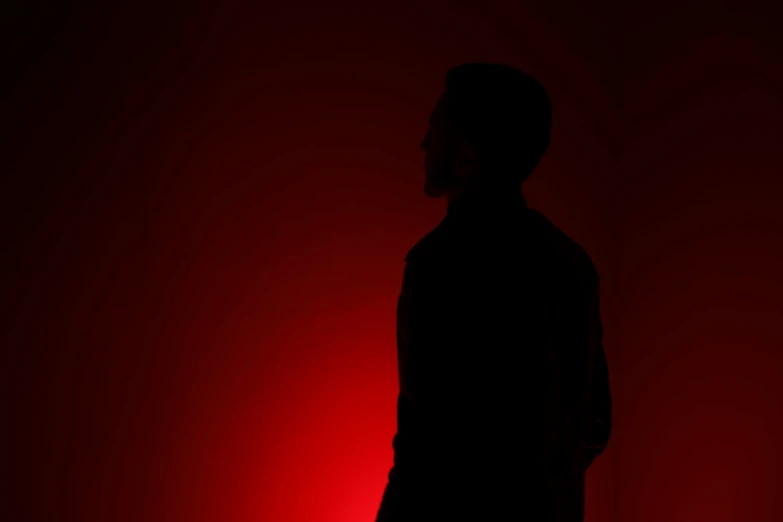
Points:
[(600, 420), (408, 330)]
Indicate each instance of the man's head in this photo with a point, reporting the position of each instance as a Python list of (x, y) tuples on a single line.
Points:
[(490, 127)]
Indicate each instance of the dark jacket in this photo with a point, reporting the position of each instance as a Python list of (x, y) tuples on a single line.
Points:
[(504, 395)]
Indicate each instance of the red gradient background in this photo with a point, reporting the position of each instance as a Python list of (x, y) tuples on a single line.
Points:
[(206, 210)]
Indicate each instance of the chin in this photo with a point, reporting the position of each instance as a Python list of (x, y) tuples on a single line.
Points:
[(433, 192)]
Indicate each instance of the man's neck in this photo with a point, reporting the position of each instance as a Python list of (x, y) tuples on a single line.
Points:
[(487, 199), (481, 191)]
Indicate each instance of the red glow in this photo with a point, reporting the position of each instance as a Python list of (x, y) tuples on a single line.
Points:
[(207, 213)]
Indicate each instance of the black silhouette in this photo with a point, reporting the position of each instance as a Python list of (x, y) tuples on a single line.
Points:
[(504, 395)]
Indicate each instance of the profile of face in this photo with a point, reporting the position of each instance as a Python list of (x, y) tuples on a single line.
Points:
[(448, 158)]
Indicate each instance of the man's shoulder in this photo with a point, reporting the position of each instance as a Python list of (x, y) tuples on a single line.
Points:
[(560, 245), (428, 246), (539, 234)]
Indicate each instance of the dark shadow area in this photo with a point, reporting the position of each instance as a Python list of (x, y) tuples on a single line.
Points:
[(504, 395)]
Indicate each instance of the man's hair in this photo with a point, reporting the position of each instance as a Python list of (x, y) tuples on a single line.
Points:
[(505, 113)]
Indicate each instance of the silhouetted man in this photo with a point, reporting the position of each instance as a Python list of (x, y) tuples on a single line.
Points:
[(504, 396)]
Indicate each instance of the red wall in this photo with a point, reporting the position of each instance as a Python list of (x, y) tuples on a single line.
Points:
[(700, 366), (206, 218)]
